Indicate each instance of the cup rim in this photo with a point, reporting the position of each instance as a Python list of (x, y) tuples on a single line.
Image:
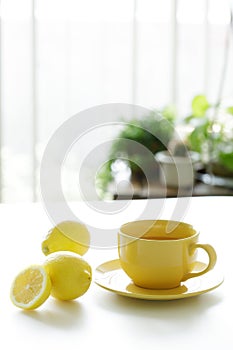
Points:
[(132, 237)]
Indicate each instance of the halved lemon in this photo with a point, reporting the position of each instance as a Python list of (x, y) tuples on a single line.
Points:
[(31, 287)]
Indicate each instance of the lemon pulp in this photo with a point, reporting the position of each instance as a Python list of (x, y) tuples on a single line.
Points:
[(31, 287)]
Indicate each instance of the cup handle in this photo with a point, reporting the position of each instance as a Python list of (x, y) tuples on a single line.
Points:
[(212, 260)]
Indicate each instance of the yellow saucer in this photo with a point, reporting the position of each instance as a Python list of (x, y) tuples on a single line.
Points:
[(110, 276)]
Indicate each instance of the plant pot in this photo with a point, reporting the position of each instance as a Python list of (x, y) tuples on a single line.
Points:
[(176, 171)]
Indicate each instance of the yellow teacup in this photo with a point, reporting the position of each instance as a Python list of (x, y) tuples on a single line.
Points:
[(161, 254)]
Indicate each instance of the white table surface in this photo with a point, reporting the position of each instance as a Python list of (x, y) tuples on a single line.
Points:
[(103, 319)]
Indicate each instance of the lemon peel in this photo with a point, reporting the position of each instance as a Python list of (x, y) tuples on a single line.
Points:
[(31, 287), (70, 275), (67, 236)]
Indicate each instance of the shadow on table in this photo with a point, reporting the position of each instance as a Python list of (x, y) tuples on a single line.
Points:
[(177, 312), (59, 314)]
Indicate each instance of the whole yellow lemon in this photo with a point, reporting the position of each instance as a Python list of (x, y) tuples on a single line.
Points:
[(70, 275), (67, 236)]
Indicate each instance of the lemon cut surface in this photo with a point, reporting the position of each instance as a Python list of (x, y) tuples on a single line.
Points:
[(31, 288)]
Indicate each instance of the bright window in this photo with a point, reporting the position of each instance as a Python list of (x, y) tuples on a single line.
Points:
[(59, 57)]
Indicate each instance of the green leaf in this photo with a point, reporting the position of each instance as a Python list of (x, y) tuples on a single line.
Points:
[(200, 105), (189, 118), (198, 137), (230, 110), (169, 112), (226, 159)]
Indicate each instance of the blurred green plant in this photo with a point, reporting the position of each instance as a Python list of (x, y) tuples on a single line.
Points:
[(212, 136), (143, 131)]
